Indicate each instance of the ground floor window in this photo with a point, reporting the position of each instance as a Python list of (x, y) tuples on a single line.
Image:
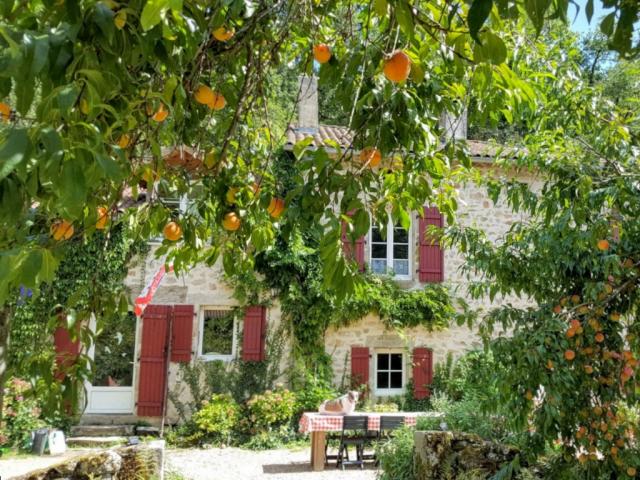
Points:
[(390, 377), (217, 334)]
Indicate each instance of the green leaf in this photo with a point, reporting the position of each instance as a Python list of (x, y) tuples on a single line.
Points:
[(73, 186), (535, 10), (405, 18), (380, 7), (48, 267), (606, 26), (478, 14), (492, 49), (589, 10), (103, 17), (13, 151), (152, 13), (67, 97), (31, 268), (109, 166)]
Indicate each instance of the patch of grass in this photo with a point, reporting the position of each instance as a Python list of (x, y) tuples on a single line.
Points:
[(173, 475)]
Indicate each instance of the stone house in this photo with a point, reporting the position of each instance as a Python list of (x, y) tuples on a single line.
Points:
[(190, 318)]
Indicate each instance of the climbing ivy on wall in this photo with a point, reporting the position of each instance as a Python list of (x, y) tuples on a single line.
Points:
[(88, 281), (291, 271)]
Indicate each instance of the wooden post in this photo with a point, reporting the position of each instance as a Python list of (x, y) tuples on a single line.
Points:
[(318, 442)]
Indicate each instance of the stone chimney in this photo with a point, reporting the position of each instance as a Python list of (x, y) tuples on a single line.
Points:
[(454, 127), (308, 104)]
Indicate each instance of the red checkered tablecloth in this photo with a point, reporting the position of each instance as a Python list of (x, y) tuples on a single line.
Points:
[(318, 422)]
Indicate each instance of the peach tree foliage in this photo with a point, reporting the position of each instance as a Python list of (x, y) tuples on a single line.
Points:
[(571, 363), (98, 88)]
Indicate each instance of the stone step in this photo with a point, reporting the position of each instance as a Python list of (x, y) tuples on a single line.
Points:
[(97, 442), (102, 430)]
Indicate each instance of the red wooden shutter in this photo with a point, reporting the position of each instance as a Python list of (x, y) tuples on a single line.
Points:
[(353, 251), (359, 366), (431, 255), (422, 372), (182, 337), (254, 334), (67, 351), (153, 357)]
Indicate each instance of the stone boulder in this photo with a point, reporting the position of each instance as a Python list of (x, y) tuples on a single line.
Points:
[(144, 461), (447, 455)]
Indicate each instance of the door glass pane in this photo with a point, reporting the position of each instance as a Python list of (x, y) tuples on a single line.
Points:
[(400, 251), (396, 361), (379, 266), (379, 250), (376, 235), (396, 380), (383, 361), (114, 350), (217, 335), (401, 267), (400, 235), (383, 380)]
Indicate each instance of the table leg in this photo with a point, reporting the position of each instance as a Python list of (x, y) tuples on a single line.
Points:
[(318, 440)]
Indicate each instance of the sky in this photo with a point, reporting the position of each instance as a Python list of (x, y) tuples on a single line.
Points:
[(580, 23)]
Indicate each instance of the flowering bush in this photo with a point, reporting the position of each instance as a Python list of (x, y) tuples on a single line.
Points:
[(218, 416), (20, 415), (270, 409)]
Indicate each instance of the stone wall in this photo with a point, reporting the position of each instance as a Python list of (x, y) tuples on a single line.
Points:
[(475, 209), (201, 287), (449, 455), (205, 286), (145, 461)]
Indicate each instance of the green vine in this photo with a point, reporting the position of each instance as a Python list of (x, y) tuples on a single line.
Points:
[(292, 273), (88, 281)]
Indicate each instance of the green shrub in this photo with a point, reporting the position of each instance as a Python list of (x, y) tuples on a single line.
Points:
[(396, 456), (465, 415), (218, 417), (20, 415), (313, 393), (270, 410)]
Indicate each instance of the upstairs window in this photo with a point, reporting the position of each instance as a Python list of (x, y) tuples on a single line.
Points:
[(391, 251)]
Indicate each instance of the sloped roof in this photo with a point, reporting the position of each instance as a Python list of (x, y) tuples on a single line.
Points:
[(343, 136)]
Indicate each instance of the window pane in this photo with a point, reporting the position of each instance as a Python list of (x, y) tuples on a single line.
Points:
[(114, 349), (396, 361), (400, 235), (401, 251), (217, 337), (379, 266), (378, 250), (383, 361), (376, 235), (396, 380), (401, 267), (383, 380)]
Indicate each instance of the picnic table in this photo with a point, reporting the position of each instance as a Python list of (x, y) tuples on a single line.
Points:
[(318, 424)]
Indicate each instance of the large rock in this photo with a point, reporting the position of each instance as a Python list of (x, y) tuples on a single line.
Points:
[(446, 455), (141, 462)]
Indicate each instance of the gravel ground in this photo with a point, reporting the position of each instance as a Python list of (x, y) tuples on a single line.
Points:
[(237, 464)]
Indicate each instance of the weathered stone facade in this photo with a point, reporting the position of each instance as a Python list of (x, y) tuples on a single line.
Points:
[(205, 286), (476, 209)]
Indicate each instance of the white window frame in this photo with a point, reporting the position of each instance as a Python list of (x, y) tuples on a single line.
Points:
[(390, 231), (234, 340), (389, 392)]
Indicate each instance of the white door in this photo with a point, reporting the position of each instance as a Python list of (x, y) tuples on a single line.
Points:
[(113, 353)]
